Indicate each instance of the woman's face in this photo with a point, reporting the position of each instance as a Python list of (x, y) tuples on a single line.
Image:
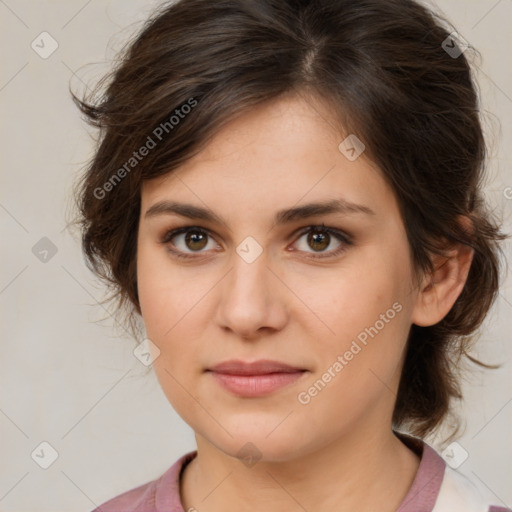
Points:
[(256, 282)]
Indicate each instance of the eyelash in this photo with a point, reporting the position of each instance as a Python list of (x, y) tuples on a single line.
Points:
[(340, 235)]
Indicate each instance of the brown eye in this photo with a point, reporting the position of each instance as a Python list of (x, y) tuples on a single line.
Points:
[(196, 240), (318, 240)]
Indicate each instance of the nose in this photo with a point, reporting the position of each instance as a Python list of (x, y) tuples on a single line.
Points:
[(252, 299)]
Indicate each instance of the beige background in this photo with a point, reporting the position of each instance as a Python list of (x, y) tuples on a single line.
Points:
[(67, 377)]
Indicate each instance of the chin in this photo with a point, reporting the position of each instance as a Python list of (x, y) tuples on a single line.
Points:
[(253, 443)]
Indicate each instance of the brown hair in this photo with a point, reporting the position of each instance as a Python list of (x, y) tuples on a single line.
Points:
[(383, 68)]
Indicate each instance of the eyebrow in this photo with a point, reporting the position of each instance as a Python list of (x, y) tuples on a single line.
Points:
[(286, 216)]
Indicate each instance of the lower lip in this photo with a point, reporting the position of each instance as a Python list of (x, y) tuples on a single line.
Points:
[(256, 385)]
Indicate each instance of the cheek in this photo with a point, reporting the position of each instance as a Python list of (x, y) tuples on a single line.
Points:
[(153, 296), (165, 293), (347, 300)]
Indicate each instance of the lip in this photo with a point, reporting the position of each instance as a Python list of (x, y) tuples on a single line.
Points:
[(255, 379), (260, 367)]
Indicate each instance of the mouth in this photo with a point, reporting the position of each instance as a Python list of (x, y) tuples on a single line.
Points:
[(255, 379)]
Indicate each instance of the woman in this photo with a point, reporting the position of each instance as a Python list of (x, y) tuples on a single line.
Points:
[(288, 195)]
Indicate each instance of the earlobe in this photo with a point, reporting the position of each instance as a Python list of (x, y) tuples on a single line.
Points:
[(440, 289)]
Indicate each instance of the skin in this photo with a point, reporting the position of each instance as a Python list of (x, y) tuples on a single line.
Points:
[(338, 451)]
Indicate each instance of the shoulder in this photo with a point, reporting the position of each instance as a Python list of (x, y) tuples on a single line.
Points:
[(459, 493), (135, 500), (439, 488), (159, 495)]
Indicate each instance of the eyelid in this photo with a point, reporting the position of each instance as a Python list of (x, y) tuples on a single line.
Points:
[(343, 235)]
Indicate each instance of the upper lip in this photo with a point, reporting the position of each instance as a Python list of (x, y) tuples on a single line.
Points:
[(261, 367)]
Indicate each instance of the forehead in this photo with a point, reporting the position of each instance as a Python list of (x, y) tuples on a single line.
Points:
[(284, 128), (284, 152)]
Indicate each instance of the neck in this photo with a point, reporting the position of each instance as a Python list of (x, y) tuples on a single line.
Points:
[(365, 470)]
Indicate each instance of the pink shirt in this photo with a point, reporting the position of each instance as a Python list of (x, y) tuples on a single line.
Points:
[(436, 488)]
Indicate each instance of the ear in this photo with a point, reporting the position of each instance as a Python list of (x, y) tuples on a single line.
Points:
[(440, 289)]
